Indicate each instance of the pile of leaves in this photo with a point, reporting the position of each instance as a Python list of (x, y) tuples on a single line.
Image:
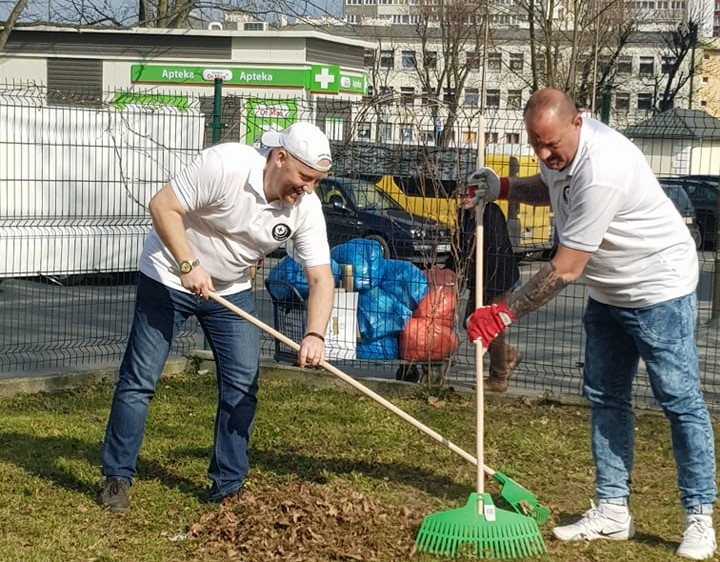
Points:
[(295, 520)]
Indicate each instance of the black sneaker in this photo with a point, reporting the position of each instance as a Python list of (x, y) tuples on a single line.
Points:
[(115, 494)]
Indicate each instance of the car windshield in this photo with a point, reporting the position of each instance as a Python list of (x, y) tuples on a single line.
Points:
[(678, 196), (368, 197)]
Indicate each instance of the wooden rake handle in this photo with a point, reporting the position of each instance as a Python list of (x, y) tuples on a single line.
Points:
[(352, 382)]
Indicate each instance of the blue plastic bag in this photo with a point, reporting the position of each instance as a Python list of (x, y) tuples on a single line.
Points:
[(366, 258), (380, 314), (381, 348), (288, 274), (405, 281)]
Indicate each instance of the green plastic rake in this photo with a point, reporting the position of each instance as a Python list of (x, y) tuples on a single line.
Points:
[(474, 530), (480, 529)]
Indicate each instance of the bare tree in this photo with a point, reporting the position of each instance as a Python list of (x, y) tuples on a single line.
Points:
[(574, 44), (10, 23), (162, 13), (678, 62), (452, 38)]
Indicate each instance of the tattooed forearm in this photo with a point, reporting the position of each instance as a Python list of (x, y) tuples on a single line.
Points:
[(541, 288), (530, 190)]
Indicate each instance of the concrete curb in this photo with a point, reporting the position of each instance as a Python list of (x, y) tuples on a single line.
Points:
[(202, 361)]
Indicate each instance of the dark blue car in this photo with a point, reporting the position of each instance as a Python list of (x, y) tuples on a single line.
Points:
[(356, 208), (703, 194)]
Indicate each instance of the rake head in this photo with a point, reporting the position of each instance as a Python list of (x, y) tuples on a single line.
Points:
[(462, 532), (521, 499)]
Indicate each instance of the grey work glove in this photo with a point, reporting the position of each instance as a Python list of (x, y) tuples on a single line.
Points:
[(486, 184)]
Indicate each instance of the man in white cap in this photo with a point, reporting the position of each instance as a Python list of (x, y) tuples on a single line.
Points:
[(231, 206)]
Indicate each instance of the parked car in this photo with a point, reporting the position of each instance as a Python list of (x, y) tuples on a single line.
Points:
[(682, 202), (703, 194), (356, 208), (530, 227)]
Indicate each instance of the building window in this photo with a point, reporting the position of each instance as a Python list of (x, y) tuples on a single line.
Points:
[(624, 65), (430, 59), (406, 132), (353, 18), (491, 137), (492, 98), (369, 58), (404, 19), (622, 101), (469, 137), (428, 98), (449, 96), (387, 59), (472, 97), (514, 99), (472, 60), (408, 60), (364, 131), (427, 138), (407, 94), (494, 61), (647, 66), (644, 101), (385, 132), (516, 62), (386, 92), (512, 138), (668, 63)]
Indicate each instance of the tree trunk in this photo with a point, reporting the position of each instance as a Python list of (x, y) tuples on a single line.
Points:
[(10, 23)]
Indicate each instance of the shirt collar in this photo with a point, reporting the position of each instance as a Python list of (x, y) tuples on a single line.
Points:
[(585, 133)]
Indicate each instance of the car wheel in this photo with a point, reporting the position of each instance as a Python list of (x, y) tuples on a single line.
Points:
[(383, 244)]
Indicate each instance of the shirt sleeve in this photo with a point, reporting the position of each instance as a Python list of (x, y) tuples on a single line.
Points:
[(199, 183)]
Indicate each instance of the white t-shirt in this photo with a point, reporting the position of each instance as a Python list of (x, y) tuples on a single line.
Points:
[(608, 201), (229, 223)]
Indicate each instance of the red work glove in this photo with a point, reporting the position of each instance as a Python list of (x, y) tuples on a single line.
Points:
[(488, 321)]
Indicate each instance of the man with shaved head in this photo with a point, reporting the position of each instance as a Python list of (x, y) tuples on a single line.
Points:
[(615, 228)]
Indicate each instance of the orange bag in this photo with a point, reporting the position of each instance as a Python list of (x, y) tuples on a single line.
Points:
[(427, 339), (439, 304)]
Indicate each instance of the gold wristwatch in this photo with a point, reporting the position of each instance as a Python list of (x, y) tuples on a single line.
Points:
[(187, 266)]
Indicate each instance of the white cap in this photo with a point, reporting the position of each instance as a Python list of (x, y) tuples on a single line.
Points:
[(304, 141)]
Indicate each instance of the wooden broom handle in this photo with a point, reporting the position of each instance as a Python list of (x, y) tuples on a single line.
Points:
[(352, 382), (479, 351)]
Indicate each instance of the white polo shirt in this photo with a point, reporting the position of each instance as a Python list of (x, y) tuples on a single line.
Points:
[(608, 201), (229, 223)]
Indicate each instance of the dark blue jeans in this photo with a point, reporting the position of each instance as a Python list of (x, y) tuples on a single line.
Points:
[(663, 335), (159, 313)]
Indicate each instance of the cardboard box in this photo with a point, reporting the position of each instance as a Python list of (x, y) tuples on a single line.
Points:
[(342, 331)]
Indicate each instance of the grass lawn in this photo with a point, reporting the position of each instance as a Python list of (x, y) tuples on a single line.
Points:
[(334, 477)]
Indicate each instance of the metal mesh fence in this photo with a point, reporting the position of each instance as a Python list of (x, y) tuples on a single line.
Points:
[(75, 180)]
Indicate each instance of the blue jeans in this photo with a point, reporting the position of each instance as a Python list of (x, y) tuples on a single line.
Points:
[(159, 314), (663, 335)]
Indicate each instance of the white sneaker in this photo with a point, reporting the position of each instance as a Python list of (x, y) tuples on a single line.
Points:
[(605, 521), (698, 540)]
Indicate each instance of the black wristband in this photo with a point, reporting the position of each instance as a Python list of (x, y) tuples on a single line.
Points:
[(315, 334)]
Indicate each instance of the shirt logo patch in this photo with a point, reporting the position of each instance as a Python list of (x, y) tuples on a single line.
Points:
[(281, 232), (566, 191)]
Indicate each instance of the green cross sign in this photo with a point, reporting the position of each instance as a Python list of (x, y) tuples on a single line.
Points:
[(324, 79)]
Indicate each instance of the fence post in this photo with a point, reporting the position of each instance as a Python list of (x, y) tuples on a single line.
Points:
[(217, 124), (605, 107)]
